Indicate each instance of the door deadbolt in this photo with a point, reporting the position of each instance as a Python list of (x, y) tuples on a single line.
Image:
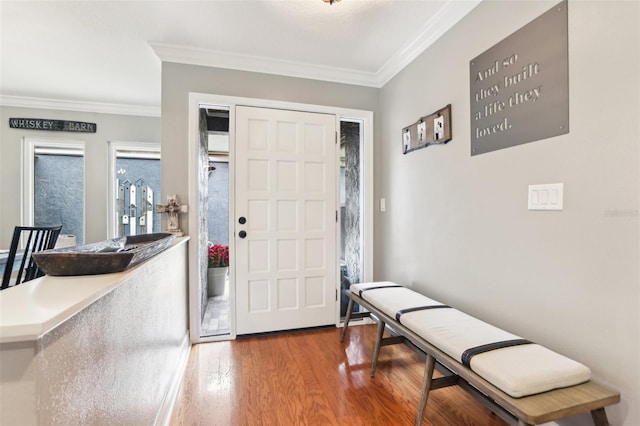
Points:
[(242, 220)]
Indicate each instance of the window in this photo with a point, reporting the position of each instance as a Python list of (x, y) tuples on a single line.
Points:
[(351, 208), (134, 183), (53, 186)]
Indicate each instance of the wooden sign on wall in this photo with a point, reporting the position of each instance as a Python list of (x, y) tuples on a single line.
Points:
[(52, 125), (433, 129)]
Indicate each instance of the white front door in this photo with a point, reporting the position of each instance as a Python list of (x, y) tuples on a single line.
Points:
[(285, 224)]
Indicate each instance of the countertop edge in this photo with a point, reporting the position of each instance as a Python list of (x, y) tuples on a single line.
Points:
[(95, 287)]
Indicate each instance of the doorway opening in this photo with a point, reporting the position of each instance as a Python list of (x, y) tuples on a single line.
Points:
[(198, 172), (216, 309)]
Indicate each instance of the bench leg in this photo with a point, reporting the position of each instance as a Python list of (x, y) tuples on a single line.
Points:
[(347, 318), (376, 348), (599, 417), (426, 387)]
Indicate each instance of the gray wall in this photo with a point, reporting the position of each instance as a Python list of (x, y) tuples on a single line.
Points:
[(179, 79), (457, 227), (110, 127)]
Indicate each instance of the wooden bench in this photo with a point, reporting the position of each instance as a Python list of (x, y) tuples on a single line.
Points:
[(588, 397)]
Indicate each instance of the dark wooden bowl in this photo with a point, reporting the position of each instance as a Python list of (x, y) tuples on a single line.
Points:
[(103, 257)]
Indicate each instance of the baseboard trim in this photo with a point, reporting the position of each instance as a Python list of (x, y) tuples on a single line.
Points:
[(163, 418)]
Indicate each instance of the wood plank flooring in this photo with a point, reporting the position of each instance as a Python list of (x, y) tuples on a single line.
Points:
[(310, 378)]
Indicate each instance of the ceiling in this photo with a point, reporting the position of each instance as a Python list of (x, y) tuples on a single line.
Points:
[(107, 54)]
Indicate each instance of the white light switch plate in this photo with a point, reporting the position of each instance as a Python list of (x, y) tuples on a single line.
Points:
[(546, 197), (383, 205)]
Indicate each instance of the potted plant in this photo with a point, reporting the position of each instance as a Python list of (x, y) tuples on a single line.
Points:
[(218, 269)]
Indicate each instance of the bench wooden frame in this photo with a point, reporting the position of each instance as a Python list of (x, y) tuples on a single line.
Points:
[(530, 410)]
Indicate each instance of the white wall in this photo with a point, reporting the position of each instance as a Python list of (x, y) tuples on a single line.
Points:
[(457, 227), (109, 127)]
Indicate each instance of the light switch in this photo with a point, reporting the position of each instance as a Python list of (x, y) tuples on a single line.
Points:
[(533, 196), (546, 197), (383, 205)]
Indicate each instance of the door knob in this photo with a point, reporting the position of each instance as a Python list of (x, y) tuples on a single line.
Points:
[(242, 234), (242, 220)]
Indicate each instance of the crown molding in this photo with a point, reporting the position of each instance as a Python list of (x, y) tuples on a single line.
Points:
[(452, 12), (449, 15), (211, 58), (66, 105)]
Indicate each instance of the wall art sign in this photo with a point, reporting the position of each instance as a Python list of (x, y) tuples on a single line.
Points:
[(432, 129), (52, 125), (520, 87)]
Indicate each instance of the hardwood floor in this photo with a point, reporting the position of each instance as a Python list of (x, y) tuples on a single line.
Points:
[(310, 378)]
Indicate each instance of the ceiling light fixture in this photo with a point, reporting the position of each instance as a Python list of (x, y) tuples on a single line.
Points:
[(331, 1)]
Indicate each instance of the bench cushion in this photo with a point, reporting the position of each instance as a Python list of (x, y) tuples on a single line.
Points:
[(517, 370), (390, 300), (529, 369)]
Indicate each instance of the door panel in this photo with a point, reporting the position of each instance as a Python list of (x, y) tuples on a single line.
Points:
[(286, 188)]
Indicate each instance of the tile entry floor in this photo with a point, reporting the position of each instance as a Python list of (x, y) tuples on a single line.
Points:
[(216, 317)]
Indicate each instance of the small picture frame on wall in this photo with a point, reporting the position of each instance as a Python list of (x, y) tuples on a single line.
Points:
[(406, 140), (438, 128), (422, 131)]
